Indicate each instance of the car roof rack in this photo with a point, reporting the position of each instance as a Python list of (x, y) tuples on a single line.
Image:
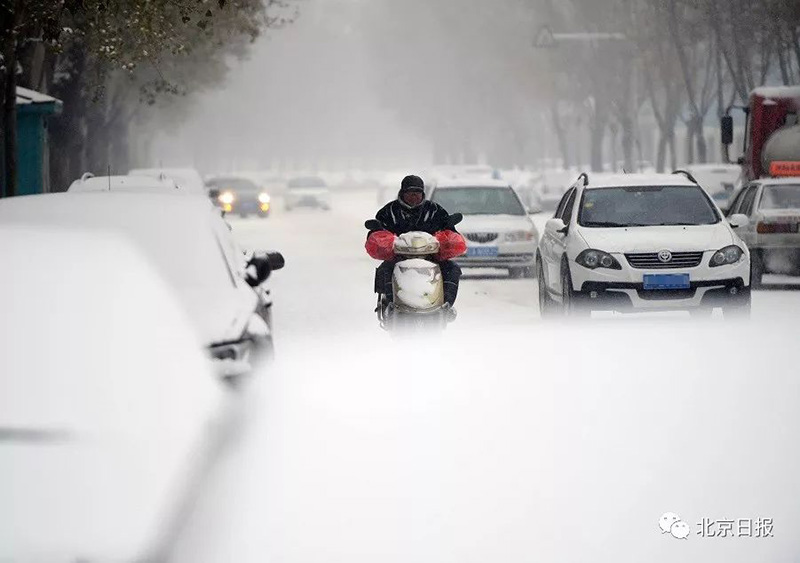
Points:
[(585, 177), (687, 174)]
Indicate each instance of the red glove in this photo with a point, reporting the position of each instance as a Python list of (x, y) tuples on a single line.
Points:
[(380, 245), (451, 244)]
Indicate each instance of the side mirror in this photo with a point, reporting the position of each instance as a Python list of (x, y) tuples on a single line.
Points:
[(556, 225), (213, 193), (373, 225), (738, 220), (726, 130), (454, 219), (261, 266)]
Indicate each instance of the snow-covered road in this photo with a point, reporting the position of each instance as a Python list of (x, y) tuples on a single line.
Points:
[(327, 283), (506, 439)]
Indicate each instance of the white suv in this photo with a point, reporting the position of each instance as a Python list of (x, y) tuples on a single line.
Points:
[(639, 242)]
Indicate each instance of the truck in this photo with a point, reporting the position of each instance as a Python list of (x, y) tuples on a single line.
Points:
[(772, 133)]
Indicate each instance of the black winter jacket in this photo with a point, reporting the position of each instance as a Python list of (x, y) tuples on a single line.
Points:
[(428, 217)]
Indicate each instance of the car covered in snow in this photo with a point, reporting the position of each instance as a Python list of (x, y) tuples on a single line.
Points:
[(188, 179), (192, 248), (498, 230), (110, 415), (134, 184), (639, 242), (772, 233), (239, 195), (307, 191)]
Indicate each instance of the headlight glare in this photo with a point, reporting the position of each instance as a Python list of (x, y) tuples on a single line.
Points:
[(594, 259), (263, 198), (728, 255), (226, 197)]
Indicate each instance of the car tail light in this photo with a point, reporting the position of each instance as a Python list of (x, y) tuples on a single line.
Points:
[(776, 228)]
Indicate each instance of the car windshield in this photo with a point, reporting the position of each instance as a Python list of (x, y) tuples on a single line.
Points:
[(306, 183), (646, 206), (479, 201), (785, 196), (241, 185)]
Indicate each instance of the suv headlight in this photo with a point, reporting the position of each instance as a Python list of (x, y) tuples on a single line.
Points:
[(594, 259), (517, 236), (728, 255), (263, 198), (226, 198)]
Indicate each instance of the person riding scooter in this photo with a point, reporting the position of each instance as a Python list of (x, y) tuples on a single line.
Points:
[(412, 212)]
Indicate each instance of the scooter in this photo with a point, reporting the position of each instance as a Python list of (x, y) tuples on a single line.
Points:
[(417, 283)]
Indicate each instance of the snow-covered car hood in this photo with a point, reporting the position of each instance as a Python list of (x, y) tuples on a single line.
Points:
[(653, 239), (494, 223), (219, 316)]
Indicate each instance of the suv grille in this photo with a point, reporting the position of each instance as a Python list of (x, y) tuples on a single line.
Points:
[(650, 261), (481, 237)]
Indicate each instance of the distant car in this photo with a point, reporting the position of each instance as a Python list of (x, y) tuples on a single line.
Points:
[(772, 233), (639, 242), (239, 196), (132, 184), (552, 186), (110, 415), (192, 247), (307, 191), (187, 178), (498, 230), (716, 179)]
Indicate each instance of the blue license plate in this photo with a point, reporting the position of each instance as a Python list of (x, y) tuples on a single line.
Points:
[(482, 251), (666, 281)]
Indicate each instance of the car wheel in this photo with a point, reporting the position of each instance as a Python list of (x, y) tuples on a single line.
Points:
[(547, 307), (569, 303), (756, 269), (740, 309), (703, 313)]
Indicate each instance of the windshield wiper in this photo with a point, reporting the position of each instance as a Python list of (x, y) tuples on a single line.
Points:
[(678, 224), (612, 224)]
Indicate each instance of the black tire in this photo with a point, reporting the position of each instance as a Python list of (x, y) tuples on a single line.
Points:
[(569, 305), (738, 311), (702, 313), (756, 269), (547, 307)]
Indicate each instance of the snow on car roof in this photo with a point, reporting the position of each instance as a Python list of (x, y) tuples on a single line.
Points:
[(472, 183), (778, 181), (125, 183), (777, 92), (620, 180), (175, 231)]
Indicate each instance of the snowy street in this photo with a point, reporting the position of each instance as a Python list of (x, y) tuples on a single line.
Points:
[(495, 438), (327, 284)]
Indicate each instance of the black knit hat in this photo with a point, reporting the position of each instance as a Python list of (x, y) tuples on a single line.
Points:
[(412, 182)]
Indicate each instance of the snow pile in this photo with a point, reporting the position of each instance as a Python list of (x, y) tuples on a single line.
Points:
[(418, 283)]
